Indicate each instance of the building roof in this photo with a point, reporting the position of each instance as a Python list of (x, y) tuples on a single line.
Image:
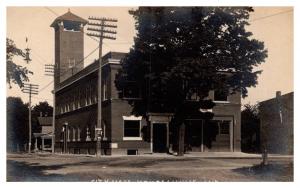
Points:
[(93, 67), (45, 121), (47, 130), (69, 16), (288, 96)]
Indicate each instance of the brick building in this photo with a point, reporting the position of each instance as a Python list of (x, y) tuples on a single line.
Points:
[(76, 107), (277, 124)]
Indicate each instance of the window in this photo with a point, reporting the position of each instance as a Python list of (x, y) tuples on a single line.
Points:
[(88, 134), (105, 97), (220, 95), (68, 134), (78, 134), (224, 127), (71, 63), (90, 95), (132, 128), (131, 90), (74, 108), (78, 99), (104, 131), (74, 134)]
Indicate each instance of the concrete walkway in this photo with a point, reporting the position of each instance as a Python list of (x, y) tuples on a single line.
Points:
[(217, 155), (234, 155)]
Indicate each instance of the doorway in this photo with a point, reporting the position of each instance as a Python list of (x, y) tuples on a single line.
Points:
[(159, 137)]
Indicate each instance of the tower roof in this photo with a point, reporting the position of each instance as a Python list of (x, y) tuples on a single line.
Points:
[(69, 16)]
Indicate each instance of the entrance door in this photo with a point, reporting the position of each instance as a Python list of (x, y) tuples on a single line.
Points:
[(159, 137), (193, 135)]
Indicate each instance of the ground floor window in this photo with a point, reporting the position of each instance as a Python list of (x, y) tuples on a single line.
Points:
[(213, 135), (224, 127), (132, 127)]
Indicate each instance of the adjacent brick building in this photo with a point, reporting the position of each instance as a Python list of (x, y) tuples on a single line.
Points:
[(76, 107), (277, 124)]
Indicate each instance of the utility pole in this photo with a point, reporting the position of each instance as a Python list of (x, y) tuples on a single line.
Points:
[(101, 33), (31, 89), (49, 71)]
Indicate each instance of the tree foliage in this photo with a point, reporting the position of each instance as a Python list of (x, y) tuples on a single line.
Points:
[(250, 128), (15, 73), (42, 108), (181, 52), (17, 124)]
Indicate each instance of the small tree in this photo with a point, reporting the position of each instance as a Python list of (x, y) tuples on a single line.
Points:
[(250, 128), (180, 52), (15, 73), (44, 109)]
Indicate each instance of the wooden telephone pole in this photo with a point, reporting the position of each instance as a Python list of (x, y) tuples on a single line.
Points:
[(101, 33), (31, 89), (49, 71)]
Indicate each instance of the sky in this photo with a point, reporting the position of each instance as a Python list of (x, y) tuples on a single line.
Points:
[(272, 25)]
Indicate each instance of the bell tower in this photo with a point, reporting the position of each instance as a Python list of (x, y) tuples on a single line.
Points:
[(69, 42)]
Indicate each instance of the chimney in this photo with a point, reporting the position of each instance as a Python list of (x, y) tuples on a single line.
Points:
[(278, 94)]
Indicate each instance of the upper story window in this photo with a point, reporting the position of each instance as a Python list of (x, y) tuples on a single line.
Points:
[(71, 26), (131, 91), (220, 95), (71, 62)]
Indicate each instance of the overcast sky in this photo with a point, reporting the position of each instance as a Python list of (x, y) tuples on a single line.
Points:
[(274, 26)]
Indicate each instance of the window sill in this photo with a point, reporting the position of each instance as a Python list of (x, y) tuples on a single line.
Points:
[(128, 98), (132, 138), (221, 102)]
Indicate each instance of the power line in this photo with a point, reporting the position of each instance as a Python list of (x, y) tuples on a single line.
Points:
[(42, 98), (40, 57), (51, 11), (80, 31), (70, 69), (271, 15), (46, 86), (77, 63)]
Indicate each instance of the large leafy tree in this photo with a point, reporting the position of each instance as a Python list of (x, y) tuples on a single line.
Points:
[(184, 51), (17, 124), (15, 73)]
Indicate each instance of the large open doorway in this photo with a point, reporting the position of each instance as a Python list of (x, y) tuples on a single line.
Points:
[(159, 137), (213, 135)]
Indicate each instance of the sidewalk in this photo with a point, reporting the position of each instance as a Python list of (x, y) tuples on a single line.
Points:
[(233, 155), (212, 155)]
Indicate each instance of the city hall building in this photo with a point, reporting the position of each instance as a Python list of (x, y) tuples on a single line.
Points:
[(76, 98)]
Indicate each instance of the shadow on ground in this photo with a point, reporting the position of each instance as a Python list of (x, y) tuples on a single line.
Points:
[(22, 171), (271, 172), (35, 172)]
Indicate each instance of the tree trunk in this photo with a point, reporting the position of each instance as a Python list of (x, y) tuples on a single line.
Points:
[(181, 134)]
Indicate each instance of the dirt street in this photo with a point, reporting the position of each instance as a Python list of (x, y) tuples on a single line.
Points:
[(46, 167)]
